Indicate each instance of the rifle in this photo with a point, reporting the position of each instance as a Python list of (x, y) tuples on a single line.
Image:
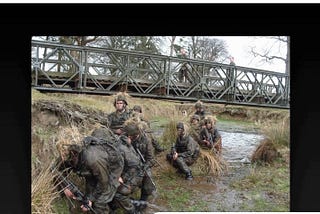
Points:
[(79, 196), (141, 205), (145, 169)]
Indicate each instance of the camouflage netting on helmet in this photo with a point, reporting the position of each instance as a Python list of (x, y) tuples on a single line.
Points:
[(121, 96), (131, 129), (68, 138), (104, 134), (137, 108), (198, 104), (210, 119), (136, 120), (195, 117)]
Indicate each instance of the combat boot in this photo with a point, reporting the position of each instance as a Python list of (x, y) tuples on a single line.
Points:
[(189, 176), (139, 205)]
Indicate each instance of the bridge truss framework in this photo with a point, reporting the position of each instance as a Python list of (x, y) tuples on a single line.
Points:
[(68, 68)]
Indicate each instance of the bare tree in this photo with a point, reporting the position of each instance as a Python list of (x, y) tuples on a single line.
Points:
[(207, 48), (272, 52), (173, 38)]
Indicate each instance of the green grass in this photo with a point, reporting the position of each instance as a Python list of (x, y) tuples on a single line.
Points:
[(158, 122), (266, 187)]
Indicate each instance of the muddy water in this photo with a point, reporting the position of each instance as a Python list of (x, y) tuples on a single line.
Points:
[(238, 147), (237, 150)]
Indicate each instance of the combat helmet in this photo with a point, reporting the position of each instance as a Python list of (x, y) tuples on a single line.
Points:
[(198, 105), (195, 117), (131, 130), (137, 108), (184, 126), (180, 125), (210, 119), (120, 97)]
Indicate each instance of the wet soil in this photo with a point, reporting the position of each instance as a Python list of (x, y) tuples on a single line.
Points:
[(239, 142)]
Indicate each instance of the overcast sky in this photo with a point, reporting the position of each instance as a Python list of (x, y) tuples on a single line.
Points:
[(239, 46)]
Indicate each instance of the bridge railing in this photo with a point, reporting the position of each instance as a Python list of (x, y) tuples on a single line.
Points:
[(93, 69)]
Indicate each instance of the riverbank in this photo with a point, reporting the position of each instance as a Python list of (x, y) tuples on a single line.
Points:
[(244, 187)]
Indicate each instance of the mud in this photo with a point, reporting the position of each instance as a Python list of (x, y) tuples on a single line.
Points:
[(239, 143)]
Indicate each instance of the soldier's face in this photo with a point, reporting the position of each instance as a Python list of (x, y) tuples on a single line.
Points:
[(195, 121), (209, 125), (180, 131), (119, 105)]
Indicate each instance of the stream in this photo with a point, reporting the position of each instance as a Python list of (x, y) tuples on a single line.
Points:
[(238, 146)]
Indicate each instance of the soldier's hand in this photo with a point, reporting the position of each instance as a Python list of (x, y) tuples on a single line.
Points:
[(84, 208), (206, 142), (120, 180), (175, 156), (68, 193), (118, 131)]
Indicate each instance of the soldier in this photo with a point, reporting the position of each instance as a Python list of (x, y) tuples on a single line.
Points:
[(117, 118), (101, 165), (154, 141), (210, 136), (184, 152), (131, 177), (199, 110), (143, 146), (195, 127)]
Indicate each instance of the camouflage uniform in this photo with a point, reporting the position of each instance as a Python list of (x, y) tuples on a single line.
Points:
[(148, 131), (214, 135), (195, 132), (101, 165), (195, 128), (116, 119), (132, 176), (144, 145), (188, 152), (200, 112)]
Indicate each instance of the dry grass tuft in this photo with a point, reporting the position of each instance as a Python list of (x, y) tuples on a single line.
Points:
[(266, 152), (276, 142), (43, 192), (170, 134), (66, 137), (209, 163), (278, 133)]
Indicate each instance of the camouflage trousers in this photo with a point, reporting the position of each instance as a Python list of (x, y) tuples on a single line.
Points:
[(181, 163), (147, 188)]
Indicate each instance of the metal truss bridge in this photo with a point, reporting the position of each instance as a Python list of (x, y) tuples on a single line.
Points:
[(67, 68)]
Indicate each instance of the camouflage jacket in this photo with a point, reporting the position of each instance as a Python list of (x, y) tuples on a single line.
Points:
[(186, 147), (117, 119), (144, 144), (133, 166), (101, 166), (213, 134), (195, 132), (202, 114)]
